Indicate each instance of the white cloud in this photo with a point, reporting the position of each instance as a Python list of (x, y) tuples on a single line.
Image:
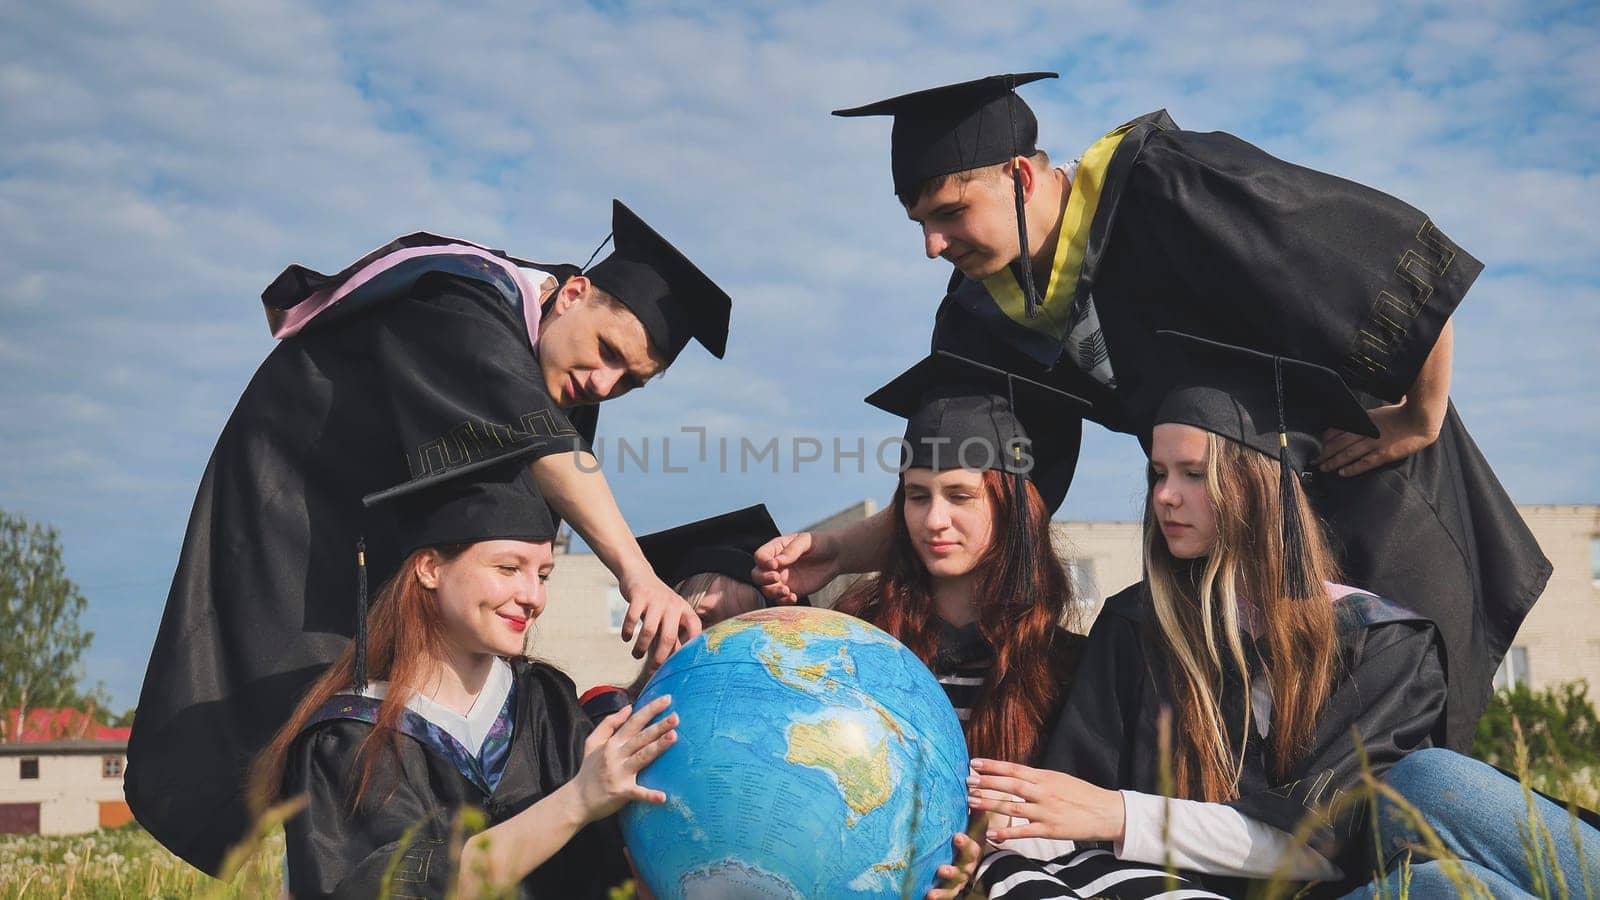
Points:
[(162, 163)]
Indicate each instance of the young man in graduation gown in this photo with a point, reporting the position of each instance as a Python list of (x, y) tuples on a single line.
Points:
[(1160, 228), (426, 357)]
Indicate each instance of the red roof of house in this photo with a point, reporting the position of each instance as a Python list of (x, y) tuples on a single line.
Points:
[(59, 724)]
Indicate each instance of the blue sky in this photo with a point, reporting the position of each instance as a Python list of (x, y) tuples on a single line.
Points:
[(163, 161)]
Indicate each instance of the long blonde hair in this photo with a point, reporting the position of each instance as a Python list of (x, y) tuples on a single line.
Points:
[(1200, 610)]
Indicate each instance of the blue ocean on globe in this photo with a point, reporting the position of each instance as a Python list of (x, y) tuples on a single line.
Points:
[(817, 757)]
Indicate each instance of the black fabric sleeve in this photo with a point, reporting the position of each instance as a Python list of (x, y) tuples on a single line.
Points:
[(332, 853), (592, 862), (1322, 268), (1099, 727), (1390, 699), (462, 382)]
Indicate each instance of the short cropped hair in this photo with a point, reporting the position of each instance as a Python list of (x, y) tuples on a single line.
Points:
[(1040, 160)]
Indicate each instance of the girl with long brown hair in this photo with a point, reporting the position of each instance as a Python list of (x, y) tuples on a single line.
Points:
[(1241, 647), (973, 585), (454, 717)]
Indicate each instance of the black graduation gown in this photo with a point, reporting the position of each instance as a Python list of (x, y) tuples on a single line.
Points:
[(332, 853), (1391, 689), (265, 591), (1206, 234), (964, 659)]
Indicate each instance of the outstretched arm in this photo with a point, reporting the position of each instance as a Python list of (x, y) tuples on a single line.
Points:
[(1203, 837), (574, 485), (794, 565)]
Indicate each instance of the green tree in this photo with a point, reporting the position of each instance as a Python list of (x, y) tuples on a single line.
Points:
[(41, 642), (1559, 724)]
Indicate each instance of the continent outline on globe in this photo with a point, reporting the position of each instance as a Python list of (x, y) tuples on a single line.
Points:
[(816, 753)]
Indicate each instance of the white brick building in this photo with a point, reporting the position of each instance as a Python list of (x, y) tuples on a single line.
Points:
[(62, 787), (1560, 641)]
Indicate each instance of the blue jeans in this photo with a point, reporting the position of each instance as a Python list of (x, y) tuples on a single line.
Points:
[(1482, 817)]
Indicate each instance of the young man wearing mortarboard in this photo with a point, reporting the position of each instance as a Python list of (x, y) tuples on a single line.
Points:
[(1159, 228), (423, 360)]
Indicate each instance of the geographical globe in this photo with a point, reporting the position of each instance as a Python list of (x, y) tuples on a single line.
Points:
[(816, 757)]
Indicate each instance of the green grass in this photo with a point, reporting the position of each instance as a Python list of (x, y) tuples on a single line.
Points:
[(125, 862), (1537, 846), (128, 862)]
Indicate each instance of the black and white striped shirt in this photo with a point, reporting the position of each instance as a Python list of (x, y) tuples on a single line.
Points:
[(961, 664)]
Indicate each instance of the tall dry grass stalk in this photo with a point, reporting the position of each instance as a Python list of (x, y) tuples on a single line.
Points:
[(1370, 790), (1166, 784), (126, 861), (1538, 846)]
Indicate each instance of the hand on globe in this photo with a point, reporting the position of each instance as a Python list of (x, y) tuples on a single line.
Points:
[(955, 878), (663, 619), (622, 744), (793, 565), (818, 758), (1055, 804)]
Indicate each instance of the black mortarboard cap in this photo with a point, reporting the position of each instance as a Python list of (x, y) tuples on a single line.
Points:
[(493, 503), (963, 414), (958, 127), (724, 544), (673, 299), (1234, 392), (1272, 404)]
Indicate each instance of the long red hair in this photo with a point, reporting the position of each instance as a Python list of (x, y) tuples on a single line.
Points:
[(405, 641), (1028, 678)]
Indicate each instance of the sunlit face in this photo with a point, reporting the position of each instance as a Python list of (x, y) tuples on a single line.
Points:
[(971, 224), (724, 598), (948, 519), (591, 350), (490, 594), (1178, 494)]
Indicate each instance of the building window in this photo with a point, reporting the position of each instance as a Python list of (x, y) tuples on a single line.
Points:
[(110, 767), (616, 609), (1513, 670), (1594, 559), (30, 768)]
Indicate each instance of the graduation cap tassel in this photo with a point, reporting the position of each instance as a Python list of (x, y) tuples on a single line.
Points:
[(360, 679), (1029, 296), (596, 252), (1020, 541), (1293, 531)]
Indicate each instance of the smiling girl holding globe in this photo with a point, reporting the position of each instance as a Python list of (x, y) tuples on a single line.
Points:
[(457, 718)]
